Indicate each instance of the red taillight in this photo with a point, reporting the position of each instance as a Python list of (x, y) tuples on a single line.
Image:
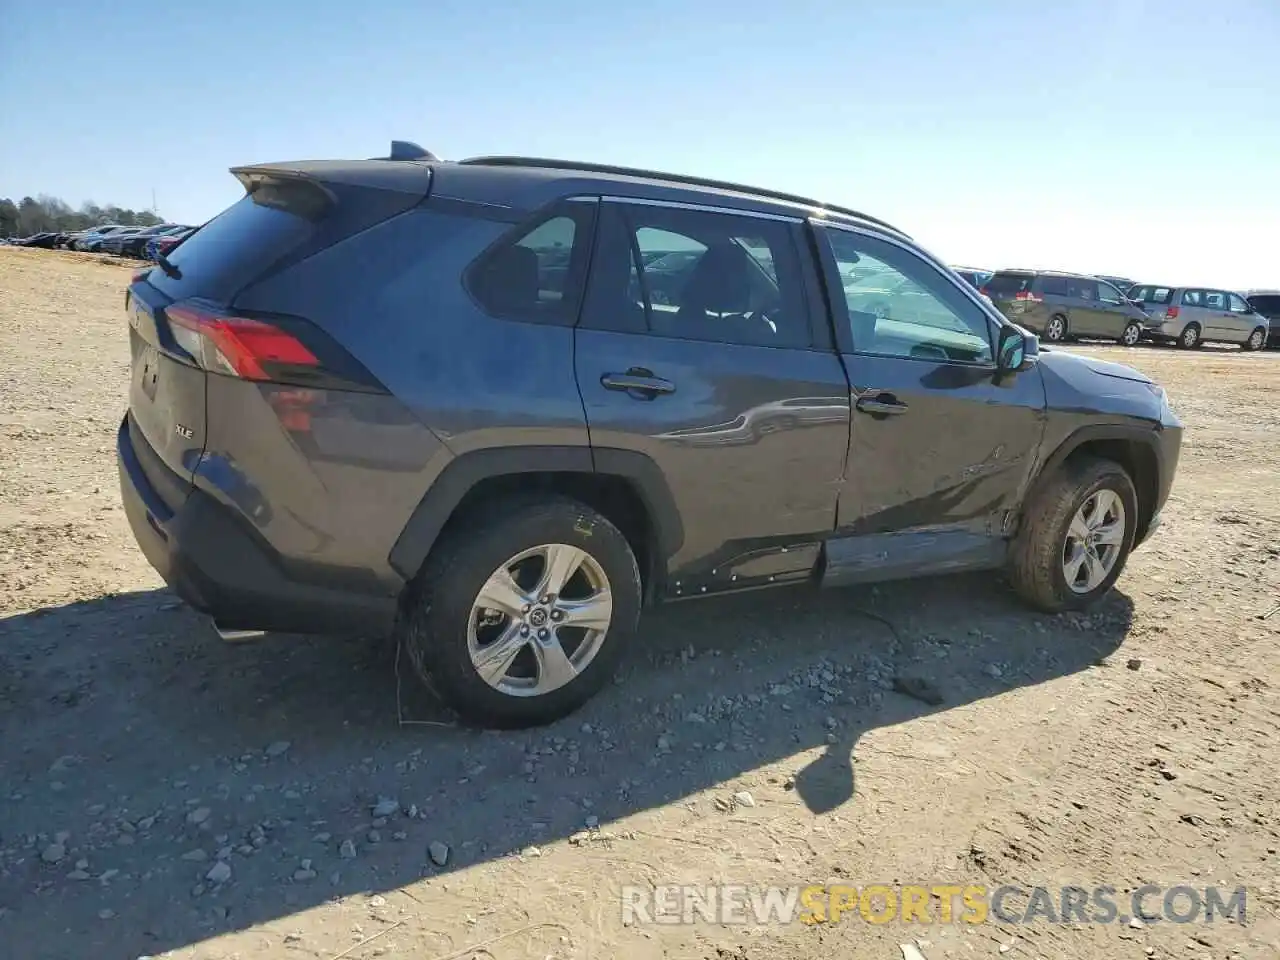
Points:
[(1027, 295), (1171, 313), (237, 345)]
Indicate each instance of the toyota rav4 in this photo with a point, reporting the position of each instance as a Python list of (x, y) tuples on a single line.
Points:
[(495, 407)]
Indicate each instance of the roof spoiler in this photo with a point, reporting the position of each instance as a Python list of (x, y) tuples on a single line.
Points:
[(407, 150)]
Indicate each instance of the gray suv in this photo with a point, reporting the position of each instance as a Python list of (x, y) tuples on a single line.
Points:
[(1190, 316), (495, 407), (1059, 306)]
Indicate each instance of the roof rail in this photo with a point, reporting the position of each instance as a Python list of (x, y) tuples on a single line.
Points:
[(407, 150), (543, 163)]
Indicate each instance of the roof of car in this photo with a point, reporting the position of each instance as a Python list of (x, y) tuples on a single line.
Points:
[(527, 182)]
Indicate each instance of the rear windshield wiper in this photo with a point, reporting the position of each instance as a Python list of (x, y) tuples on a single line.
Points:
[(169, 269)]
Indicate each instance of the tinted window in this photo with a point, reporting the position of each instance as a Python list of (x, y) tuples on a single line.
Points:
[(899, 305), (1151, 294), (1007, 284), (535, 273), (239, 243), (1237, 304), (694, 275), (1054, 286), (1082, 288), (1266, 304)]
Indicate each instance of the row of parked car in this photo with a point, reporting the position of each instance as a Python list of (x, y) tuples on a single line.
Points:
[(125, 241), (1062, 306)]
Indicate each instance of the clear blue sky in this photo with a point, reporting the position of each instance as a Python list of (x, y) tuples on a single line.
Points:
[(1128, 136)]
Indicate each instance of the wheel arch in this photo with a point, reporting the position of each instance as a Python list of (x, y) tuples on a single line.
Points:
[(1135, 449), (625, 486)]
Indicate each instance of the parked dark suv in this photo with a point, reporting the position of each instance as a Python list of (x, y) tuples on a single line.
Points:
[(496, 406), (1059, 306)]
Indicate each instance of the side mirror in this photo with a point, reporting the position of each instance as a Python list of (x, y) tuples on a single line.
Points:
[(1011, 350)]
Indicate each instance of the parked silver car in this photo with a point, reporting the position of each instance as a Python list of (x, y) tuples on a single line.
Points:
[(1190, 316)]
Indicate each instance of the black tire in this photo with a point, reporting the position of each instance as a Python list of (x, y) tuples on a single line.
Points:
[(1257, 340), (1035, 567), (1058, 336), (1131, 336), (1190, 338), (433, 626)]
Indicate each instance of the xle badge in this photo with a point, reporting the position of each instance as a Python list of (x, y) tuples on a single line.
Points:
[(183, 432)]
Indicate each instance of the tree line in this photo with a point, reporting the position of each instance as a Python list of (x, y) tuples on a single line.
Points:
[(48, 214)]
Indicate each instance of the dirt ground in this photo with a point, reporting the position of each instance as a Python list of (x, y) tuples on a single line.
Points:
[(165, 794)]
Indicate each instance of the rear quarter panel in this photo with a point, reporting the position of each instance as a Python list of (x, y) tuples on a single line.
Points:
[(460, 380)]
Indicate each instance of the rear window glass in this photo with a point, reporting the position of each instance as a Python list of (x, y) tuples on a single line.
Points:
[(1054, 286), (234, 247), (1007, 284), (1151, 294), (1266, 304)]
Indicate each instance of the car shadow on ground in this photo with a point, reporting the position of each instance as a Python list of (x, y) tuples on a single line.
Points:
[(138, 752)]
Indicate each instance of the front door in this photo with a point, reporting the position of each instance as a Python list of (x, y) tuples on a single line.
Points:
[(1113, 310), (940, 451), (697, 350), (1242, 319)]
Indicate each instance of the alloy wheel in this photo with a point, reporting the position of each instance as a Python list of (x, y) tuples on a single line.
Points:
[(1055, 329), (1255, 340), (1190, 337), (539, 620), (1094, 540), (1132, 334)]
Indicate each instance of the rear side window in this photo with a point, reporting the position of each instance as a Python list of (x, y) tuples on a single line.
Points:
[(1215, 300), (239, 244), (536, 274), (1082, 288), (1007, 284), (1151, 294), (1054, 286), (1193, 298)]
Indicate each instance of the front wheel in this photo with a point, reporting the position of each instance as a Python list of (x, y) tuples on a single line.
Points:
[(1256, 339), (1055, 331), (1077, 536), (1132, 334), (521, 616)]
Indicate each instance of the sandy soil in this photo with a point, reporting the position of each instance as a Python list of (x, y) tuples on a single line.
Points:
[(140, 756)]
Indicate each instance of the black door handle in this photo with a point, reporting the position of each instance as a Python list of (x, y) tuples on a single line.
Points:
[(637, 381), (882, 403)]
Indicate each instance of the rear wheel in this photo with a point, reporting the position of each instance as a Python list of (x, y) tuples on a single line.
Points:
[(1190, 338), (1077, 536), (1055, 331), (522, 615), (1256, 339), (1132, 334)]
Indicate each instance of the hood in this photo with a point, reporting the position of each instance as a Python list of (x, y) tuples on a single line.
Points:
[(1067, 364)]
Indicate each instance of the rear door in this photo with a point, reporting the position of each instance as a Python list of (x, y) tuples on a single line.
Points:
[(1221, 324), (1191, 310), (1086, 316), (940, 450), (698, 349)]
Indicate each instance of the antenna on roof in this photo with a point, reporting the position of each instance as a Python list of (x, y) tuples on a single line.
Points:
[(408, 150)]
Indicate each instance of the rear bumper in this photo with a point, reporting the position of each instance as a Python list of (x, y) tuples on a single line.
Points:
[(217, 564)]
